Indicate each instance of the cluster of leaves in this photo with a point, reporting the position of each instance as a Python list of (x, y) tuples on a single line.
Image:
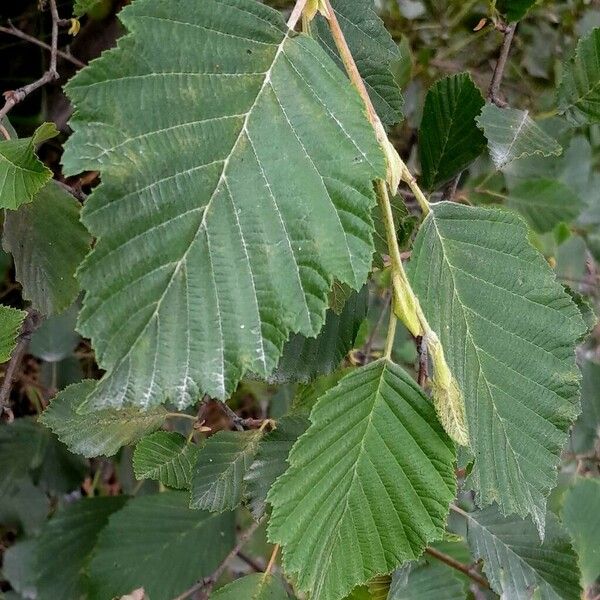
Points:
[(215, 357)]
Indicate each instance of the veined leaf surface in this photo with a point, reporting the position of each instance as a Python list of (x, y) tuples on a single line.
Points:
[(509, 332), (11, 320), (223, 219), (368, 486)]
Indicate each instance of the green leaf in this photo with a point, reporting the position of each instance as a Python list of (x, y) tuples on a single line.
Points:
[(271, 461), (427, 582), (218, 477), (159, 544), (48, 243), (587, 427), (516, 563), (82, 7), (373, 49), (579, 88), (11, 320), (22, 447), (22, 174), (376, 460), (580, 516), (545, 203), (509, 332), (23, 505), (56, 337), (18, 567), (102, 432), (258, 586), (305, 359), (64, 547), (308, 395), (515, 10), (223, 221), (167, 457), (449, 139), (512, 134)]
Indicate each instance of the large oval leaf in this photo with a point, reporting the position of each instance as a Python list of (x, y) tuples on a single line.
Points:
[(229, 202)]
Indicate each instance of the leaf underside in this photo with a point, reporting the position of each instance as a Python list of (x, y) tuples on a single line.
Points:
[(509, 332), (368, 486), (222, 221)]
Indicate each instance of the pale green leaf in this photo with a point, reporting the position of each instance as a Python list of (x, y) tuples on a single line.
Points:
[(22, 174), (449, 139), (11, 320), (167, 457), (101, 432), (579, 89), (373, 49), (218, 476), (64, 547), (581, 516), (253, 587), (305, 359), (513, 134), (223, 221), (368, 486), (48, 243), (517, 563), (56, 338), (427, 582), (515, 10), (271, 461), (509, 332), (158, 544), (545, 203)]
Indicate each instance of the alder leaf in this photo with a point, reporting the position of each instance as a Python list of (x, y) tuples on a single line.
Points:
[(305, 359), (22, 174), (271, 461), (579, 88), (427, 582), (512, 134), (11, 320), (515, 10), (516, 563), (258, 586), (48, 243), (218, 476), (167, 457), (509, 332), (223, 221), (449, 139), (580, 515), (65, 545), (368, 486), (373, 49), (158, 543), (545, 203), (102, 432)]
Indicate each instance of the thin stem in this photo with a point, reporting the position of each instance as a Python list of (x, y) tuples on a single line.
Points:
[(391, 335), (272, 560), (176, 415), (466, 569), (296, 13), (54, 44), (494, 89)]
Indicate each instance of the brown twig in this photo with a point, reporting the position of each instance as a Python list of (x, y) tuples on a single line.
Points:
[(453, 563), (493, 94), (12, 30), (30, 324), (207, 583), (13, 97)]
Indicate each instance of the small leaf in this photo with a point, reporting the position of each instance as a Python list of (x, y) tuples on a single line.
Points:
[(65, 545), (167, 457), (48, 243), (271, 461), (258, 586), (374, 459), (509, 331), (158, 543), (11, 320), (512, 134), (373, 49), (102, 432), (515, 10), (579, 89), (427, 582), (545, 203), (449, 140), (580, 515), (515, 561), (218, 476), (21, 172)]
